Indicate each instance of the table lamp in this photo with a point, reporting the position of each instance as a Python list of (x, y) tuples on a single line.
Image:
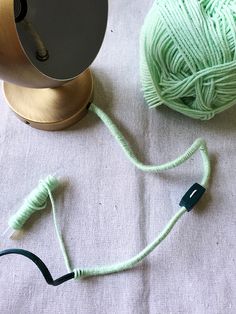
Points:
[(46, 48)]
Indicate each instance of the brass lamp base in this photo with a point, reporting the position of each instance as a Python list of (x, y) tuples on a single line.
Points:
[(51, 109)]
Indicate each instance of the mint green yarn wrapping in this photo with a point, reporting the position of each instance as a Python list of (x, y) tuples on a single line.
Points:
[(188, 56), (37, 200)]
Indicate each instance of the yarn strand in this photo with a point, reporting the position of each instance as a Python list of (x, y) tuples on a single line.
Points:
[(58, 233)]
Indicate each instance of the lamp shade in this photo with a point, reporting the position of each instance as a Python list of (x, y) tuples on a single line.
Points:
[(48, 43)]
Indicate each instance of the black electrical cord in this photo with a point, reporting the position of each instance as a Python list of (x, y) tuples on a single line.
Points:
[(41, 266)]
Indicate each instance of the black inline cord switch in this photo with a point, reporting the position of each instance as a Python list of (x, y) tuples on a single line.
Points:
[(192, 197)]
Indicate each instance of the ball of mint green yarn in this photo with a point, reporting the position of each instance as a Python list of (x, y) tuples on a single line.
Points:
[(188, 56)]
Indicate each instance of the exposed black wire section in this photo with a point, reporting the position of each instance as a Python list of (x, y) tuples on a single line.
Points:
[(41, 266)]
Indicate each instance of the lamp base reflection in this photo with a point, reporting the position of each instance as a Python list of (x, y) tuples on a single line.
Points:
[(51, 109)]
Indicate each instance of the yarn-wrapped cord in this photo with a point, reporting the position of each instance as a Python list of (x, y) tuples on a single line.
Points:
[(58, 233), (110, 269), (199, 144)]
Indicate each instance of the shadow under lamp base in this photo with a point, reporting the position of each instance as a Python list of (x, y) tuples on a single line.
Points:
[(51, 109)]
